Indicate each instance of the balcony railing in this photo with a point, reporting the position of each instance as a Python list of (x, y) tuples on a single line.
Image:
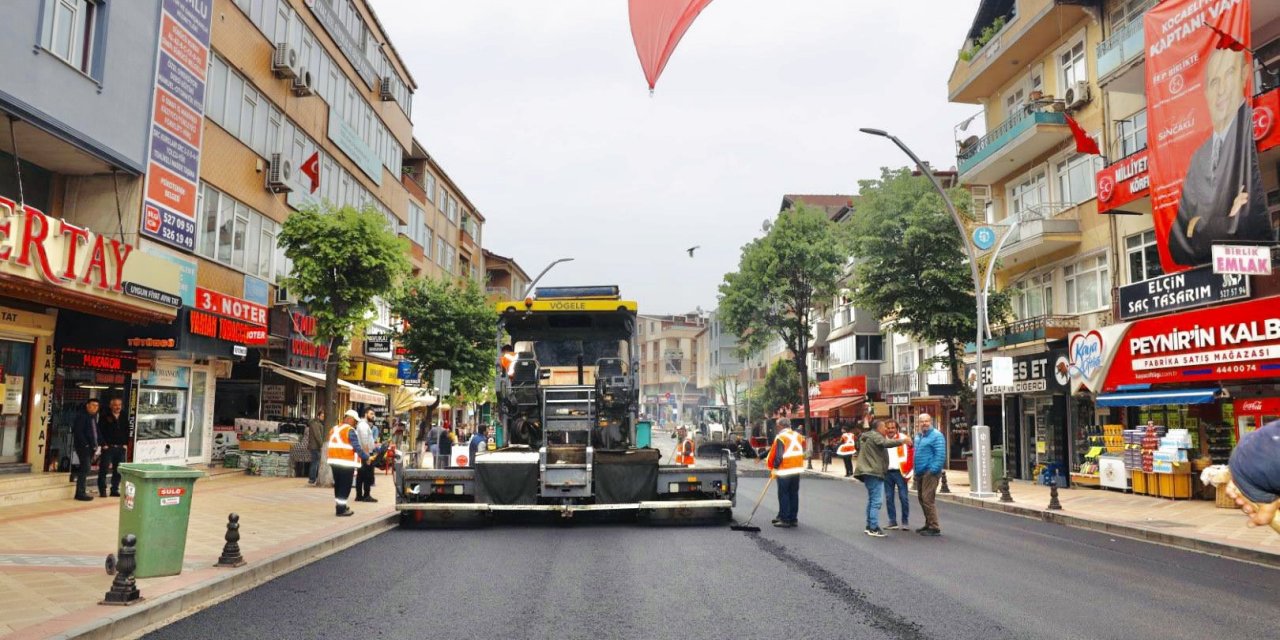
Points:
[(1044, 327), (1022, 120), (916, 382), (1124, 45), (504, 292)]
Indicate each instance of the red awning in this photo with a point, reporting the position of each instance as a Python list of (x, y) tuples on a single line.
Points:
[(823, 407)]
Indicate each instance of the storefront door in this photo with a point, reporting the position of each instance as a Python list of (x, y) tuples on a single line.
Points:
[(1026, 440), (201, 418), (15, 382)]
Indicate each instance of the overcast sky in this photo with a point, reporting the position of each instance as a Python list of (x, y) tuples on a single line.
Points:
[(539, 110)]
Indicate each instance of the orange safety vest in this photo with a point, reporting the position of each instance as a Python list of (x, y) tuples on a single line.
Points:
[(792, 453), (848, 444), (341, 453), (508, 359), (901, 459), (684, 452)]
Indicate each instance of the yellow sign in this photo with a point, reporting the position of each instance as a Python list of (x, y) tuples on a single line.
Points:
[(1041, 447), (568, 304), (373, 373)]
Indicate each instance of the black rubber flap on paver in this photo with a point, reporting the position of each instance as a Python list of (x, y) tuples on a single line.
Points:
[(506, 483), (626, 476)]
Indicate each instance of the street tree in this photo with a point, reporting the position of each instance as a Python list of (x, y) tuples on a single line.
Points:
[(780, 278), (782, 387), (447, 324), (911, 265), (342, 258)]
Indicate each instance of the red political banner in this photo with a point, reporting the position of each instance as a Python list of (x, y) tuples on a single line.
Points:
[(1123, 181), (1266, 108), (1205, 183), (851, 386)]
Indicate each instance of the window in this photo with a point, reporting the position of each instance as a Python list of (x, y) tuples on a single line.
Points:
[(418, 226), (237, 236), (216, 92), (442, 200), (1126, 11), (429, 185), (235, 91), (1144, 258), (1088, 286), (1072, 67), (69, 31), (440, 255), (869, 348), (1028, 194), (1131, 133), (1032, 297), (903, 358), (452, 213), (426, 243), (1076, 177)]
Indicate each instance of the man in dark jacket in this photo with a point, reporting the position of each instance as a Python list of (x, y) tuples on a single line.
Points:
[(873, 462), (113, 437), (315, 442), (84, 438)]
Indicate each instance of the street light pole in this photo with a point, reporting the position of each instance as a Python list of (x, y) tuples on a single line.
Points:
[(529, 290)]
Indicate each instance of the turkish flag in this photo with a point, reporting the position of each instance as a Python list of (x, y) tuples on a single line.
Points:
[(312, 169), (1084, 144), (656, 28)]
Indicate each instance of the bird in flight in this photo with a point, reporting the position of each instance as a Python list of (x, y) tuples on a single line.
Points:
[(692, 249)]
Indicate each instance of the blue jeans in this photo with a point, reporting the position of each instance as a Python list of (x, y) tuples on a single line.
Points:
[(314, 469), (788, 498), (875, 498), (894, 482)]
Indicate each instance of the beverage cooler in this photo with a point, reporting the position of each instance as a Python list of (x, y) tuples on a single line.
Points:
[(1252, 413)]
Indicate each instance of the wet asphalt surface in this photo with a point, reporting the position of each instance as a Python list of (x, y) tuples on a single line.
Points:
[(990, 576)]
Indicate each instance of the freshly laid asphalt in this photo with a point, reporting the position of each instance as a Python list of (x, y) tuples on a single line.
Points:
[(989, 576)]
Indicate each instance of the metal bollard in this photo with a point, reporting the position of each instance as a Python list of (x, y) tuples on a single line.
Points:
[(124, 588), (945, 488), (1005, 496), (1054, 505), (231, 550)]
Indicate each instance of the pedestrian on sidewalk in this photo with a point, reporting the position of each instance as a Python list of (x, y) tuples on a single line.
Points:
[(113, 437), (847, 449), (433, 444), (345, 456), (895, 480), (828, 451), (930, 455), (478, 443), (447, 440), (873, 461), (84, 438), (367, 434), (315, 441), (786, 461), (1255, 474)]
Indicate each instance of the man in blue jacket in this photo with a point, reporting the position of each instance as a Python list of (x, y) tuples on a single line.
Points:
[(931, 455)]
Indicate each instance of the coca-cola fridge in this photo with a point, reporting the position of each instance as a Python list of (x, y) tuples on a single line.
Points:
[(1252, 413)]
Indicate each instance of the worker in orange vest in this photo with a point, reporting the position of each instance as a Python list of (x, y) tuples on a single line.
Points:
[(847, 449), (508, 359), (684, 447), (786, 462), (896, 478), (345, 456)]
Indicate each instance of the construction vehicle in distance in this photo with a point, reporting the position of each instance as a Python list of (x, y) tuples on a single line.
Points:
[(570, 435)]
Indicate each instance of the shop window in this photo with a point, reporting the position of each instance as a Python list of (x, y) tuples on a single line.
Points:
[(1144, 257), (71, 31), (16, 363), (1088, 285)]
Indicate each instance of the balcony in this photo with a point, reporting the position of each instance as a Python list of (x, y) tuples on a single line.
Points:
[(1041, 230), (1047, 327), (1015, 142), (411, 185), (499, 293), (914, 382), (1032, 30), (1121, 58)]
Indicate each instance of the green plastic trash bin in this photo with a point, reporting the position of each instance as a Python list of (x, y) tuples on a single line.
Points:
[(155, 506), (644, 434)]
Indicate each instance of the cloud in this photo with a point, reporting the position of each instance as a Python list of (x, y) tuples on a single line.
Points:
[(539, 110)]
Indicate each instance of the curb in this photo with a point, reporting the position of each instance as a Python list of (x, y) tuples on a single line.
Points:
[(1125, 531), (151, 613)]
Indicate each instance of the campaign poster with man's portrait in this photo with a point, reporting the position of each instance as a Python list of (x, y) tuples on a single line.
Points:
[(1206, 186)]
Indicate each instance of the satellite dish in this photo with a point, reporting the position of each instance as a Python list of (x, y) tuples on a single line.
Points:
[(766, 225)]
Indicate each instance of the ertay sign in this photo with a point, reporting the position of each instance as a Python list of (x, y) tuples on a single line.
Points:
[(57, 253), (1230, 342), (1123, 182)]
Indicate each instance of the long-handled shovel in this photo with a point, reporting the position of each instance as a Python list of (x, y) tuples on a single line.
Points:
[(746, 526)]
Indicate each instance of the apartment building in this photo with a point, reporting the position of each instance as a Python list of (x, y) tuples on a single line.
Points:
[(504, 279), (669, 366), (718, 363)]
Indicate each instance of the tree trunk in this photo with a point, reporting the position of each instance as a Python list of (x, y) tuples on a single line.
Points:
[(804, 390), (325, 477)]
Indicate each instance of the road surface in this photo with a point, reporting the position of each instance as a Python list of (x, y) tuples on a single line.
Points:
[(990, 576)]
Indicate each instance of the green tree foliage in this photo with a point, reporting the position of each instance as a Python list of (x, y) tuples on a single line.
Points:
[(342, 259), (782, 387), (780, 278), (911, 264), (448, 325)]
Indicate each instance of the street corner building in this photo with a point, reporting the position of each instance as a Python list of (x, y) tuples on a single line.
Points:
[(1125, 158), (150, 153)]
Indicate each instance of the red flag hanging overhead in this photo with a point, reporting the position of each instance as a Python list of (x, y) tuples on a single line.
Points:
[(656, 27), (1084, 144), (311, 169)]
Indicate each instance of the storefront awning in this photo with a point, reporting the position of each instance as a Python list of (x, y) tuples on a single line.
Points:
[(823, 407), (1167, 396), (356, 392)]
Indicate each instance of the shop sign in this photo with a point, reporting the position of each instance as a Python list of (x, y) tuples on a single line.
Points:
[(855, 386), (304, 353), (173, 165), (273, 393), (1266, 109), (377, 343), (347, 42), (211, 326), (98, 361), (1197, 172), (256, 290), (239, 350), (1245, 260), (166, 375), (187, 270), (147, 293), (348, 139), (38, 247), (1231, 342), (373, 372), (405, 370), (1046, 372), (231, 307), (898, 398), (1183, 290), (1123, 182)]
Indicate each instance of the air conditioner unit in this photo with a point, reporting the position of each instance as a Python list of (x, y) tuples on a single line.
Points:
[(279, 174), (1077, 94), (302, 83), (384, 90), (284, 62)]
